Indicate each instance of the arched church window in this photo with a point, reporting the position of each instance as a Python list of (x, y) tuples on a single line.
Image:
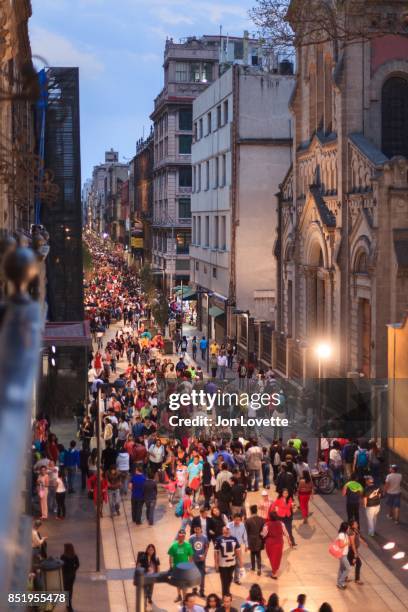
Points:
[(395, 117), (361, 265)]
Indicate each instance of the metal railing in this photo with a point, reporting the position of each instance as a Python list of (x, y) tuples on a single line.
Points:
[(21, 327)]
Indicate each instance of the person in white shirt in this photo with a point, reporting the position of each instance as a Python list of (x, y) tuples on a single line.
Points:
[(393, 490), (342, 542), (156, 455), (60, 498), (122, 463), (123, 429), (222, 362)]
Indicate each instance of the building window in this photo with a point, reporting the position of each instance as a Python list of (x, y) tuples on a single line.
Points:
[(216, 231), (185, 119), (183, 238), (195, 73), (219, 116), (224, 170), (208, 123), (193, 231), (207, 175), (184, 208), (207, 72), (197, 266), (199, 177), (361, 264), (185, 145), (216, 173), (182, 72), (214, 272), (239, 50), (207, 231), (194, 179), (201, 72), (198, 235), (195, 132), (185, 176), (223, 241), (225, 104), (200, 128), (394, 112)]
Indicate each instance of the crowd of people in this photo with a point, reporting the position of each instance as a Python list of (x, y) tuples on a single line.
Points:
[(212, 481)]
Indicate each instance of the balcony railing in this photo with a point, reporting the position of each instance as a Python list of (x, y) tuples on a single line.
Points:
[(168, 222)]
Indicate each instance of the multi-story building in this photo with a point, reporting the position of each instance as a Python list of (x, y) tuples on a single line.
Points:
[(241, 153), (141, 185), (104, 198), (189, 67), (342, 252)]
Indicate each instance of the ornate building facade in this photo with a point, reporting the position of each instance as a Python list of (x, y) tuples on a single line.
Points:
[(342, 244), (18, 92)]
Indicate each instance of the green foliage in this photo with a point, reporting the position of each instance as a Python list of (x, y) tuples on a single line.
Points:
[(160, 311)]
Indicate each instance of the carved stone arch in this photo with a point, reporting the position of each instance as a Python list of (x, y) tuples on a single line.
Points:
[(314, 245), (360, 247)]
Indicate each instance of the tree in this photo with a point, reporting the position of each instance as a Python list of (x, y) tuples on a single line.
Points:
[(288, 24), (160, 311)]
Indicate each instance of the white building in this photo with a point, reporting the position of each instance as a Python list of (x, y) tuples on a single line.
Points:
[(241, 152)]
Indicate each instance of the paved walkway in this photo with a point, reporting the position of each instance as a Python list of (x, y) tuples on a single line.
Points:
[(309, 568)]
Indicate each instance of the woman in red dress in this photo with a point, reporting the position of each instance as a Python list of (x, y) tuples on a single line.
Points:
[(274, 531), (93, 489)]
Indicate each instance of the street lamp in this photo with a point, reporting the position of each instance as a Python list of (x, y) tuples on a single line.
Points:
[(182, 576), (323, 351), (245, 313), (208, 294)]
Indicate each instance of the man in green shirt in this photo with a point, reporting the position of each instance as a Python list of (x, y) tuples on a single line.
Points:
[(297, 442), (180, 552)]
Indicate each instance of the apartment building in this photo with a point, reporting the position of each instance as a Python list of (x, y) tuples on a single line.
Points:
[(241, 153), (190, 66)]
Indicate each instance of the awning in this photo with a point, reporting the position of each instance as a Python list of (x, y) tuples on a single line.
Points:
[(71, 333), (190, 294), (215, 311)]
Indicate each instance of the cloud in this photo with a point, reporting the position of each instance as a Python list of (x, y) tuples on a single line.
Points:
[(172, 12), (166, 16), (59, 51)]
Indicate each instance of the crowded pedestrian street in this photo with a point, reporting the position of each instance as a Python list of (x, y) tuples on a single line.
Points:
[(163, 487)]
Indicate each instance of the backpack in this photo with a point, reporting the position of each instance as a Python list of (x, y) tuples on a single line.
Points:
[(179, 511), (362, 458)]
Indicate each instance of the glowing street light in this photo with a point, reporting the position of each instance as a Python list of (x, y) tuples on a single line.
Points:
[(389, 546), (405, 567), (323, 350), (398, 555)]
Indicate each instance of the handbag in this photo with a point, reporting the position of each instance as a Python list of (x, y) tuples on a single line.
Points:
[(335, 550)]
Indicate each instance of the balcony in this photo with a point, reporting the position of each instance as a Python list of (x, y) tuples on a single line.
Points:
[(168, 222), (182, 250)]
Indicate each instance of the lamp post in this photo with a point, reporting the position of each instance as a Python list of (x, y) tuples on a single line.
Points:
[(183, 575), (245, 313), (323, 352), (208, 294)]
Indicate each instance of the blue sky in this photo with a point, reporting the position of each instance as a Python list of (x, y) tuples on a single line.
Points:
[(118, 46)]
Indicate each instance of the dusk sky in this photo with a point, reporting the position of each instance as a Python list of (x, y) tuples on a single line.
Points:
[(118, 46)]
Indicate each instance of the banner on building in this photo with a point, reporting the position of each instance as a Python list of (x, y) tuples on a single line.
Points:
[(136, 243)]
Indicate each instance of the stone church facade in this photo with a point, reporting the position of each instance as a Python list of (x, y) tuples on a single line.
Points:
[(342, 243)]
